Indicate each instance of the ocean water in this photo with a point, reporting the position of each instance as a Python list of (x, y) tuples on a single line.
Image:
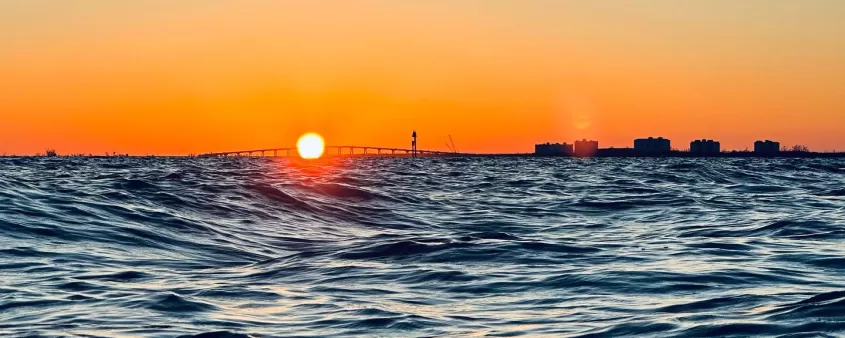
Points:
[(238, 247)]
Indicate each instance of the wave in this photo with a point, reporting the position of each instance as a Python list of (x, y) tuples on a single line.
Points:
[(261, 247)]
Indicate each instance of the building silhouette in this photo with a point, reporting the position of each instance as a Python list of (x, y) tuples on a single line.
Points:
[(704, 147), (586, 148), (553, 149), (652, 145), (766, 147)]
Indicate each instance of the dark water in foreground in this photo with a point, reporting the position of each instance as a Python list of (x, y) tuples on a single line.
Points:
[(432, 247)]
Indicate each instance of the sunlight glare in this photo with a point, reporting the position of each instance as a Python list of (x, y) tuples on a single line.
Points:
[(310, 146)]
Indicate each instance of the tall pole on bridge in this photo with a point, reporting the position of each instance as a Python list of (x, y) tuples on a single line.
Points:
[(414, 144)]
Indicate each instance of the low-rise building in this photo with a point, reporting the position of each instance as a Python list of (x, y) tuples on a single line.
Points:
[(553, 149), (652, 145), (586, 148), (704, 147), (766, 147)]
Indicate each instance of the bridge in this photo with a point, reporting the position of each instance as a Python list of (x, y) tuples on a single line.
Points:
[(336, 151)]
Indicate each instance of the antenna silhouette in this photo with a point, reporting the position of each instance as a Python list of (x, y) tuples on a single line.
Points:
[(414, 144)]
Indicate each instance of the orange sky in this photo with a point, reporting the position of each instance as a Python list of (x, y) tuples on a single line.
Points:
[(191, 76)]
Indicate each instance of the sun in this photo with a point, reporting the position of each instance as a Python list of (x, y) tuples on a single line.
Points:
[(310, 146)]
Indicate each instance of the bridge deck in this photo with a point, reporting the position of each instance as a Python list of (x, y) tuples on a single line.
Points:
[(336, 151)]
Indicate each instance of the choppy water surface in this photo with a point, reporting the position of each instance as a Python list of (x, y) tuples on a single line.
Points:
[(427, 247)]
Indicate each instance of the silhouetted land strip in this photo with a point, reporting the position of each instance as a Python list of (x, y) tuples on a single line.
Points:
[(360, 151), (629, 152)]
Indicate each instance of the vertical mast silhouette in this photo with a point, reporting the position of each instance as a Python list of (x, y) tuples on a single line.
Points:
[(414, 144)]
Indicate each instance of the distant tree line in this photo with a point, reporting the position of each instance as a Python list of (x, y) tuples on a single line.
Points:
[(797, 148)]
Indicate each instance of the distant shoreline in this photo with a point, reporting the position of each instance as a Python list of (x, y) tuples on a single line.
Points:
[(627, 152)]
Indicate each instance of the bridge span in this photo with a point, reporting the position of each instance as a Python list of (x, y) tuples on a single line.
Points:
[(336, 151)]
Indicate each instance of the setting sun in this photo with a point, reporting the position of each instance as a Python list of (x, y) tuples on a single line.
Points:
[(310, 146)]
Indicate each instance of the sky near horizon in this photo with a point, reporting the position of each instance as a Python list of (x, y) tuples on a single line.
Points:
[(192, 76)]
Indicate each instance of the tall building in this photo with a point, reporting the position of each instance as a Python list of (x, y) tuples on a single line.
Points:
[(652, 145), (586, 148), (704, 147), (766, 147), (553, 149)]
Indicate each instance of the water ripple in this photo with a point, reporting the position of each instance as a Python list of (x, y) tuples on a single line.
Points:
[(242, 247)]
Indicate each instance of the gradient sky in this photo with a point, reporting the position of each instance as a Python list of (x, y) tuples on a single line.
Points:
[(189, 76)]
